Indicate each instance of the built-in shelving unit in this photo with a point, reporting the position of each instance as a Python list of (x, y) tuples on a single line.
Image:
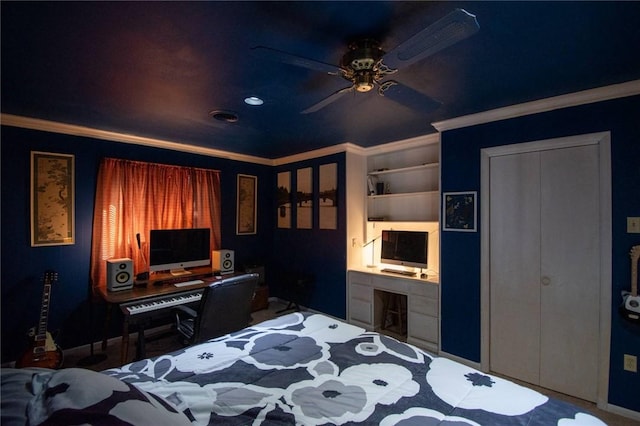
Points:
[(404, 184), (407, 199)]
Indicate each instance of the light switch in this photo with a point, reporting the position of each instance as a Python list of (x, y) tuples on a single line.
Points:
[(633, 225)]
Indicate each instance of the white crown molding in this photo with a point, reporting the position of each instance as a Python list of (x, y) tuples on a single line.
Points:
[(430, 139), (321, 152), (630, 88), (599, 94), (75, 130)]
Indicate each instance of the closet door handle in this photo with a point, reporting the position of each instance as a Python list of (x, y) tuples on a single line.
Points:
[(546, 281)]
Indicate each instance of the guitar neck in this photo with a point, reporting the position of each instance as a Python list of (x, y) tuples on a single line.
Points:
[(41, 331), (635, 255), (41, 334)]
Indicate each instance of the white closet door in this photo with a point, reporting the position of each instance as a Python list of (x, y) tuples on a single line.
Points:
[(515, 266), (544, 285), (570, 270)]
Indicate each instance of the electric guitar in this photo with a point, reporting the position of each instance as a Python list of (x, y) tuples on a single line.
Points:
[(43, 351), (630, 308)]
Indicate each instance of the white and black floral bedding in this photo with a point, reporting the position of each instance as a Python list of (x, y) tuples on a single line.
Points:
[(308, 369)]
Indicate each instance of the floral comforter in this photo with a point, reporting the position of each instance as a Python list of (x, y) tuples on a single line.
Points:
[(309, 369)]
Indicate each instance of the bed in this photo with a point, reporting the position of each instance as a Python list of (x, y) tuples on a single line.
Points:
[(302, 368)]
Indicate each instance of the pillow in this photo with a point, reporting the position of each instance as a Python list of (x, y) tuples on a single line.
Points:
[(78, 396), (16, 394)]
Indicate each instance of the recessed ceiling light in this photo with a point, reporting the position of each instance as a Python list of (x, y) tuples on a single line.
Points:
[(227, 116), (253, 100)]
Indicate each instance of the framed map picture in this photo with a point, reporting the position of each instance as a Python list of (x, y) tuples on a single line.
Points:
[(52, 199), (247, 205)]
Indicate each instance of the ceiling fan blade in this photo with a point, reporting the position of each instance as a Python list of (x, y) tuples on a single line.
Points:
[(328, 100), (291, 59), (448, 30), (405, 95)]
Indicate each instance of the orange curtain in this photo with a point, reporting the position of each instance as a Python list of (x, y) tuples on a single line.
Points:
[(134, 197)]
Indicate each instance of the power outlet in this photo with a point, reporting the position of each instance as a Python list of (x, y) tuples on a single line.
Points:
[(631, 363)]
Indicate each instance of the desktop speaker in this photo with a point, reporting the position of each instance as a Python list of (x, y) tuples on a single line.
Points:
[(222, 261), (119, 274)]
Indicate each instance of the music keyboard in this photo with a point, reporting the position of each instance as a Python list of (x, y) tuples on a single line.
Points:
[(161, 302)]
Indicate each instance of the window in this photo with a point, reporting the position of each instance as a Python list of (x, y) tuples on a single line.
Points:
[(134, 197)]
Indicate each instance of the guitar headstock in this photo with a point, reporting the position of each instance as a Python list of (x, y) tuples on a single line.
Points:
[(50, 277), (635, 253)]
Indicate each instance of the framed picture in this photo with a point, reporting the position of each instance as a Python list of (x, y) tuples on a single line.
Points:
[(247, 205), (52, 199), (459, 211), (328, 198), (304, 198), (283, 197)]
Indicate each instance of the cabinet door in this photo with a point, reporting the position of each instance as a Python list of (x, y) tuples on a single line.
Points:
[(515, 266), (360, 303), (570, 270)]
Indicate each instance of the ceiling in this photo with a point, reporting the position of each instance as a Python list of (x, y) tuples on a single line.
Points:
[(157, 69)]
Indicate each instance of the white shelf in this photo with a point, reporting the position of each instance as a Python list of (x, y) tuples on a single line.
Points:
[(410, 178), (404, 194), (404, 169)]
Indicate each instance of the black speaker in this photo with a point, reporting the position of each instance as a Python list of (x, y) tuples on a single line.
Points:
[(119, 274), (222, 261)]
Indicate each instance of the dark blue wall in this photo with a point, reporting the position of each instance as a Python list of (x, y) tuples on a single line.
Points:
[(23, 265), (460, 256), (320, 253)]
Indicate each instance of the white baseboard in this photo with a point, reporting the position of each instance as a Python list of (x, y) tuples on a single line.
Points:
[(461, 360), (86, 349), (621, 411)]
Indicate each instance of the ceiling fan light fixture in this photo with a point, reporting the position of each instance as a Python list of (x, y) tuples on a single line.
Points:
[(364, 82), (253, 101)]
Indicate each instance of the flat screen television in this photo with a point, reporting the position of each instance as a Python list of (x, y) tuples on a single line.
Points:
[(406, 248), (177, 249)]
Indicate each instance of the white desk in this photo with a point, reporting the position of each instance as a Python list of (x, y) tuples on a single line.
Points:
[(365, 295)]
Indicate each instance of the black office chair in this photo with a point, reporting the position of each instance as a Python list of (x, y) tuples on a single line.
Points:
[(225, 307)]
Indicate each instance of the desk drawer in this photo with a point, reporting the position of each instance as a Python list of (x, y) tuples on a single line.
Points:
[(425, 289), (360, 310), (361, 292), (392, 284), (423, 305), (423, 327)]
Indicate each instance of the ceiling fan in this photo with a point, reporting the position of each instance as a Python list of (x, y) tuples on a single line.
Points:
[(366, 65)]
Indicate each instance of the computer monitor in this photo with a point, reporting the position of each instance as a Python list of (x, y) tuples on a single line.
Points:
[(178, 249), (406, 248)]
